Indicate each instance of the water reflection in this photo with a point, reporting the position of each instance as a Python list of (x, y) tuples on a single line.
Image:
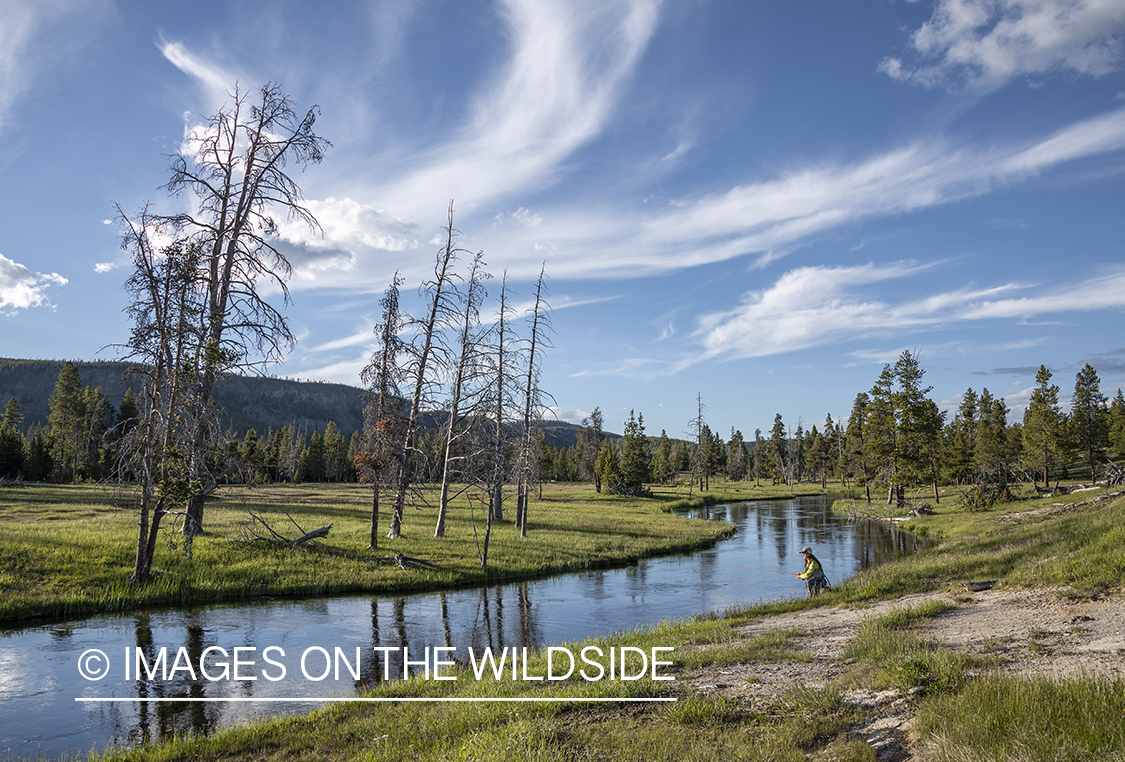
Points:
[(38, 680)]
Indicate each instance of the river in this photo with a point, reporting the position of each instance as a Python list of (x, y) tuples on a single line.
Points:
[(365, 635)]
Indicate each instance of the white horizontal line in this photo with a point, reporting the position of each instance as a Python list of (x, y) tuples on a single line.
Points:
[(314, 699)]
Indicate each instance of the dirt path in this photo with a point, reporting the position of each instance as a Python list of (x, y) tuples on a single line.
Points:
[(1034, 632)]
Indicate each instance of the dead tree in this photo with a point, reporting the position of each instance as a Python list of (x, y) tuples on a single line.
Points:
[(465, 373), (165, 342), (382, 414), (499, 401), (428, 343), (540, 324), (234, 169), (697, 426)]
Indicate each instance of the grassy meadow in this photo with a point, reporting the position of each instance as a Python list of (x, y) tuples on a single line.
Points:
[(67, 550)]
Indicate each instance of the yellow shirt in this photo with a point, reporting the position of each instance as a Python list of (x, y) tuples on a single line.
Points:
[(812, 568)]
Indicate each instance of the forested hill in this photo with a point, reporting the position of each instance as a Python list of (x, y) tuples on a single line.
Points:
[(250, 402)]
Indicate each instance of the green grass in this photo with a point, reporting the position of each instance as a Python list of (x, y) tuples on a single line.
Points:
[(67, 551), (903, 660), (1029, 720)]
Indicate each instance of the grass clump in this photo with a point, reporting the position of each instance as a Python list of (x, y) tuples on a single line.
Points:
[(901, 659), (1032, 720), (723, 645)]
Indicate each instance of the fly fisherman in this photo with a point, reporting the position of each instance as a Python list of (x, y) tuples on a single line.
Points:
[(813, 575)]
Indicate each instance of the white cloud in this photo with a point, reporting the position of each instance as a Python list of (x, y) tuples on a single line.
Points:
[(986, 43), (21, 288), (817, 306), (570, 415), (104, 267)]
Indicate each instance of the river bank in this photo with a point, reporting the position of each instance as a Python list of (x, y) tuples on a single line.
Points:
[(889, 665)]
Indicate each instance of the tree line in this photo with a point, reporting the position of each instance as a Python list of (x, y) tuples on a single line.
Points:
[(895, 438)]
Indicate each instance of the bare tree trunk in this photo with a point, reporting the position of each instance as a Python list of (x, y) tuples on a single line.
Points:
[(539, 320), (438, 312), (496, 504), (468, 355), (382, 376)]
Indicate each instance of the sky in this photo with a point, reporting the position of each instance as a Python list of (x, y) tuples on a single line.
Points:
[(755, 204)]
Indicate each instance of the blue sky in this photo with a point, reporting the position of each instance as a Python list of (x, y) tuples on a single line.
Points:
[(758, 202)]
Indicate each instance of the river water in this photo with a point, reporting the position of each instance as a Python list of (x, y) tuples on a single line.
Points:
[(322, 645)]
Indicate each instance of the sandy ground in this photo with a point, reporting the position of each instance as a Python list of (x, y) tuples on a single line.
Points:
[(1033, 632)]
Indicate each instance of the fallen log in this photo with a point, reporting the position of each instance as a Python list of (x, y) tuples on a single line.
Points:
[(259, 530), (313, 535)]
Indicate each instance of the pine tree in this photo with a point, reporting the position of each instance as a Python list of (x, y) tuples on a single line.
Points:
[(797, 459), (737, 460), (1088, 418), (992, 455), (1116, 425), (68, 421), (663, 466), (919, 424), (590, 438), (961, 440), (816, 456), (634, 460), (832, 447), (881, 452), (1042, 426), (759, 460), (39, 463), (779, 451), (608, 468), (12, 445), (855, 443)]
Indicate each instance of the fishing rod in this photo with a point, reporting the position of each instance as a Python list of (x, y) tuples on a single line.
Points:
[(749, 568)]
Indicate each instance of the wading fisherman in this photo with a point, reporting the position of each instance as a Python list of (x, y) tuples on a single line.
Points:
[(813, 575)]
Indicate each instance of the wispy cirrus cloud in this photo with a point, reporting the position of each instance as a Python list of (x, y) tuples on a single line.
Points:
[(982, 44), (567, 64), (23, 49), (556, 90), (216, 82), (815, 306), (768, 218), (22, 288), (772, 217)]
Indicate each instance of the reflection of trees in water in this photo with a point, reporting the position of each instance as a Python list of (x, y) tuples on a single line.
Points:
[(162, 720), (789, 524)]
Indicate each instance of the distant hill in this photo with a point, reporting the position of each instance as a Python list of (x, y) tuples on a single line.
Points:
[(250, 401)]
